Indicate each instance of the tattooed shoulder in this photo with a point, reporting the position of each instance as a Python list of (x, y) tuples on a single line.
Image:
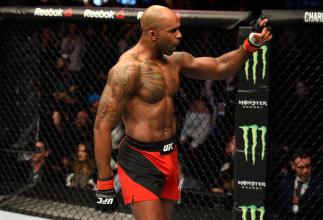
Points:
[(122, 83), (124, 78)]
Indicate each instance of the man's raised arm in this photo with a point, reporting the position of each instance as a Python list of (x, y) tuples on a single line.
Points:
[(226, 65)]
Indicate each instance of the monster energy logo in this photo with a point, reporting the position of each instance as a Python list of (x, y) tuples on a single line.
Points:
[(253, 68), (255, 129), (254, 210)]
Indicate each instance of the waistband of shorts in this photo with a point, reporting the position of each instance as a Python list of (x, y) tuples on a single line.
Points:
[(149, 146)]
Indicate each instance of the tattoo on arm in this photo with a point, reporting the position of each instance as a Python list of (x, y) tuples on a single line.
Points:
[(115, 95)]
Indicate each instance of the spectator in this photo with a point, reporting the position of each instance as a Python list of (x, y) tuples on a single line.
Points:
[(187, 182), (300, 115), (45, 170), (82, 128), (197, 124), (301, 90), (54, 133), (188, 185), (83, 169), (99, 55), (48, 47), (61, 88), (299, 194), (130, 33), (93, 101), (225, 182), (39, 155), (72, 48)]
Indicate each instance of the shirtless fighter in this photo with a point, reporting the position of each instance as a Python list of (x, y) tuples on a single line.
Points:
[(140, 90)]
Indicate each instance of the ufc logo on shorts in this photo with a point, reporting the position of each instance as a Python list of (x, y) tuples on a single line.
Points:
[(168, 147), (108, 201)]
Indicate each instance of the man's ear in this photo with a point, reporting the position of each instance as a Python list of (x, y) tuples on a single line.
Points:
[(153, 35)]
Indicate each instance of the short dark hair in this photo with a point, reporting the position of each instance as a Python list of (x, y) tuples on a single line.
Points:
[(301, 153)]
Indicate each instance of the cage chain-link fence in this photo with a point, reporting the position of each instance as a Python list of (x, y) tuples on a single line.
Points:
[(295, 113), (52, 75)]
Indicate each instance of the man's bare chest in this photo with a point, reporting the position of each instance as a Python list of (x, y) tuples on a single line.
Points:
[(157, 81)]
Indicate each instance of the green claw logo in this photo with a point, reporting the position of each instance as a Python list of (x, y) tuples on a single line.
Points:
[(253, 68), (254, 210), (255, 130)]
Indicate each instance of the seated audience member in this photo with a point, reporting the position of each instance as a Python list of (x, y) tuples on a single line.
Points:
[(298, 195), (55, 133), (188, 183), (225, 182), (44, 168), (197, 124), (93, 101), (72, 47), (82, 128), (83, 170), (38, 159)]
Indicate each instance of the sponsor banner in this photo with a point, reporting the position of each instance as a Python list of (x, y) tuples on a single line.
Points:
[(49, 12), (251, 163), (251, 130), (252, 101), (190, 17), (112, 14), (251, 185), (105, 14), (252, 104), (250, 212)]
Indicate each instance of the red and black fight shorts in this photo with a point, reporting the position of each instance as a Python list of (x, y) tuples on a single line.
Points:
[(148, 171)]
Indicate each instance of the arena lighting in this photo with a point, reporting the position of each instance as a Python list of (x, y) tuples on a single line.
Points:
[(127, 2), (98, 2)]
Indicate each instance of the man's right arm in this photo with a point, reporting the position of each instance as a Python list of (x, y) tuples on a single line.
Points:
[(121, 84)]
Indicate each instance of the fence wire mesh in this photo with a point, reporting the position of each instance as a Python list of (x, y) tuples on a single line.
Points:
[(295, 113), (52, 75)]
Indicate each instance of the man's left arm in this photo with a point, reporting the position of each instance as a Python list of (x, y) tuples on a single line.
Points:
[(226, 65)]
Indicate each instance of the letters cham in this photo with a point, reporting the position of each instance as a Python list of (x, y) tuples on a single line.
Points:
[(253, 68)]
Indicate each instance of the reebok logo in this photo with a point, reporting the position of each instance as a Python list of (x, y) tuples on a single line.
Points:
[(168, 147), (88, 13), (49, 12)]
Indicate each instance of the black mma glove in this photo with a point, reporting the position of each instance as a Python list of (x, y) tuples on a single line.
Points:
[(106, 200), (250, 44)]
